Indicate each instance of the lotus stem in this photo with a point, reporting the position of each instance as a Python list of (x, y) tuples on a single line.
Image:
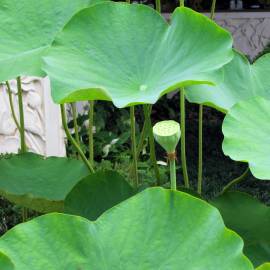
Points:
[(172, 171), (73, 141), (20, 101), (147, 114), (76, 128), (182, 3), (133, 146), (90, 134), (158, 6), (183, 137), (143, 137), (236, 181), (12, 106), (200, 150)]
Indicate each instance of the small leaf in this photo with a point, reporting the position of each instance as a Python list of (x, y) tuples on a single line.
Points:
[(156, 229), (134, 56), (242, 81), (39, 183), (246, 135), (97, 193), (251, 220)]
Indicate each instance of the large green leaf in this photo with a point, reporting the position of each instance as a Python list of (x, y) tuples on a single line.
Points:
[(129, 54), (242, 81), (27, 30), (39, 183), (246, 132), (97, 193), (251, 220), (156, 229), (265, 266)]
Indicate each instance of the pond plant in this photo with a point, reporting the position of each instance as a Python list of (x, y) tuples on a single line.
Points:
[(92, 219)]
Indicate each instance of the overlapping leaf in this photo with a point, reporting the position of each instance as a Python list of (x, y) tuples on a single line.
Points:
[(246, 132), (251, 220), (27, 30), (242, 81), (151, 230), (129, 54), (97, 193), (265, 266), (39, 183)]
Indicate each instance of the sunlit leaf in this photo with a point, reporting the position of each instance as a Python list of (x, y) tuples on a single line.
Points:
[(242, 81), (129, 54), (156, 229), (27, 30), (246, 135)]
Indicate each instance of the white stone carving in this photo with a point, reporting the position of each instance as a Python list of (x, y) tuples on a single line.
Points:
[(43, 131)]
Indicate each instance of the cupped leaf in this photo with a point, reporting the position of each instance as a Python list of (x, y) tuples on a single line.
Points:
[(39, 183), (265, 266), (156, 229), (27, 30), (129, 54), (242, 81), (97, 193), (246, 132), (251, 220)]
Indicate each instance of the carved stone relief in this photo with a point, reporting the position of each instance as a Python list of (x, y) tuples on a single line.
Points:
[(43, 132)]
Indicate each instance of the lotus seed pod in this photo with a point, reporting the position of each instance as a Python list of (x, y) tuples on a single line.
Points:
[(167, 134)]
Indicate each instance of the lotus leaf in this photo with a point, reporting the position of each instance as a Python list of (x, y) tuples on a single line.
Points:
[(251, 220), (246, 135), (39, 183), (27, 30), (242, 81), (97, 193), (129, 54), (151, 230)]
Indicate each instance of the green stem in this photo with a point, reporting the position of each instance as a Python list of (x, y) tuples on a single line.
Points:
[(143, 137), (73, 142), (213, 8), (90, 134), (200, 150), (236, 181), (158, 6), (12, 106), (147, 114), (24, 214), (173, 174), (133, 146), (182, 3), (20, 101), (76, 128), (183, 137)]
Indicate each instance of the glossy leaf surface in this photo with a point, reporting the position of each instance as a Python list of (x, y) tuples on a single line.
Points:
[(251, 220), (39, 183), (27, 30), (242, 81), (97, 193), (129, 54), (151, 230), (246, 135), (265, 266)]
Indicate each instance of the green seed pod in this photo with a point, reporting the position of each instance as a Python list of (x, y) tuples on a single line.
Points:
[(167, 134)]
